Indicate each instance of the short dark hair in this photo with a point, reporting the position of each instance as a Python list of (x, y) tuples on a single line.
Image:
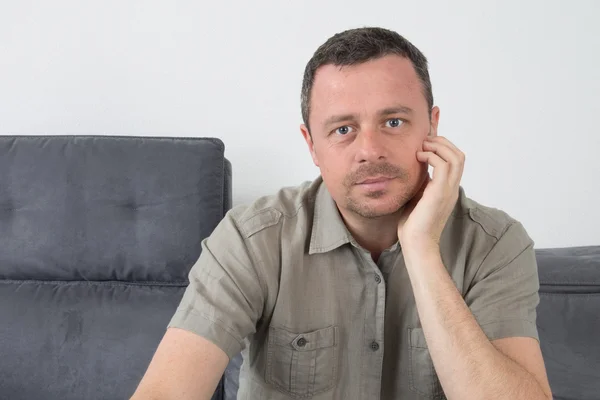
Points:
[(356, 46)]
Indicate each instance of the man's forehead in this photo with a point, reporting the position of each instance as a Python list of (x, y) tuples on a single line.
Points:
[(391, 69), (381, 82)]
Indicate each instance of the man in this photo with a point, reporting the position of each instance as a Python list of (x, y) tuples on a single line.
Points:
[(376, 280)]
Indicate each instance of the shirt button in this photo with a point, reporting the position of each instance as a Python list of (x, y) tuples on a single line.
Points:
[(301, 342), (374, 346), (377, 278)]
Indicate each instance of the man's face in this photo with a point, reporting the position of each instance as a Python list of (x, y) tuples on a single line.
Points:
[(367, 123)]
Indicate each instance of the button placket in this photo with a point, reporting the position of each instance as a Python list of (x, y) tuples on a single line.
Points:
[(374, 332)]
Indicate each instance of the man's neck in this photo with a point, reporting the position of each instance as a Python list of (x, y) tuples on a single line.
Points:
[(373, 234)]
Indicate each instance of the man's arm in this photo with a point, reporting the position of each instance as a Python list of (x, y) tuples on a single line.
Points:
[(185, 366), (467, 363), (218, 310)]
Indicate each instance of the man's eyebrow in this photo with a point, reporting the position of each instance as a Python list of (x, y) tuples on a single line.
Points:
[(396, 110), (339, 118)]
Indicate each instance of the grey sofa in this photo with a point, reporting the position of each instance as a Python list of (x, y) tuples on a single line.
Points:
[(97, 235), (569, 320)]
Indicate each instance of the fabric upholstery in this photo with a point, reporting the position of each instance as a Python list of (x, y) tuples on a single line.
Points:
[(569, 320), (97, 236)]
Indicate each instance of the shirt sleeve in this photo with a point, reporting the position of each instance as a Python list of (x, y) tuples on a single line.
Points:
[(504, 294), (224, 299)]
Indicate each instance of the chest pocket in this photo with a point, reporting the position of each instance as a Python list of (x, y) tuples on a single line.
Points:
[(422, 376), (302, 364)]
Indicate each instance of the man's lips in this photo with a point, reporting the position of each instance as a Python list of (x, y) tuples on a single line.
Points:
[(374, 180)]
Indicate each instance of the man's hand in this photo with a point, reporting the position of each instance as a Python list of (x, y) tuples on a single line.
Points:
[(425, 216), (468, 365)]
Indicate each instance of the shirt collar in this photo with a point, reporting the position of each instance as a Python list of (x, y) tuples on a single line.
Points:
[(328, 230)]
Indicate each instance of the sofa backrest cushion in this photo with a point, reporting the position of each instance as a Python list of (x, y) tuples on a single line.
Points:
[(97, 236), (569, 320)]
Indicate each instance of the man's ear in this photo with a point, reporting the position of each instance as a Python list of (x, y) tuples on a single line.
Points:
[(434, 120), (311, 147)]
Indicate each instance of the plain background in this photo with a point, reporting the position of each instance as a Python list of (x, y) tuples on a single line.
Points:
[(518, 84)]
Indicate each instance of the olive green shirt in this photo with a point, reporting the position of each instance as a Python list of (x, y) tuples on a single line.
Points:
[(284, 281)]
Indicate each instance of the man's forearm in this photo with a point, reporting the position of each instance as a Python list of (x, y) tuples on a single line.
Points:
[(467, 363)]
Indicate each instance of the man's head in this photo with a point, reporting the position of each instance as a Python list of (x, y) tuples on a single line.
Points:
[(367, 106)]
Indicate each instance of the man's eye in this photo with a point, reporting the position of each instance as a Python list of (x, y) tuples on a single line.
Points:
[(343, 130), (394, 122)]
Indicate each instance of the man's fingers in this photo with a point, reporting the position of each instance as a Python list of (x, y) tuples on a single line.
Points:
[(445, 150), (449, 153), (440, 166), (444, 141)]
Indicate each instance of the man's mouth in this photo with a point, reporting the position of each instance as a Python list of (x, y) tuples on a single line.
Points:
[(374, 179), (375, 184)]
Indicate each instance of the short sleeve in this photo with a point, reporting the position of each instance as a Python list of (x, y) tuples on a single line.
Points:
[(504, 294), (224, 299)]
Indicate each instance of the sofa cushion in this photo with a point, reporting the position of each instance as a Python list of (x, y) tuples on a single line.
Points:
[(98, 236), (569, 320), (107, 208), (77, 339)]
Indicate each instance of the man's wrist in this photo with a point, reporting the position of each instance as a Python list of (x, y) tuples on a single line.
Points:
[(419, 252)]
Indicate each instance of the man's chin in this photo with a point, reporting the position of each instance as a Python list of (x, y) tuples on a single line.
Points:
[(375, 207)]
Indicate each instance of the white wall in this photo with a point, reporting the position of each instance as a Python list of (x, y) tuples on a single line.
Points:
[(518, 83)]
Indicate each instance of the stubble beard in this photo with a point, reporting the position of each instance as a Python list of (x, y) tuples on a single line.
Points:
[(362, 207)]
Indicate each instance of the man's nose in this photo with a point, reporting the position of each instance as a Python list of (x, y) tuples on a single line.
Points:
[(371, 146)]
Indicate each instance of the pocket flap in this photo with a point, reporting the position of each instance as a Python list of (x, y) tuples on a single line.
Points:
[(318, 339), (417, 338)]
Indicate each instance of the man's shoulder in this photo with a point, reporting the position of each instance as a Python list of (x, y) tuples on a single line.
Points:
[(267, 211), (486, 220), (487, 236)]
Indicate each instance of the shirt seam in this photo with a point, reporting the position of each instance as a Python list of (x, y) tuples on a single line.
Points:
[(494, 246), (281, 211), (259, 274), (331, 246), (499, 321), (220, 323), (258, 262), (315, 225), (268, 223), (488, 231)]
